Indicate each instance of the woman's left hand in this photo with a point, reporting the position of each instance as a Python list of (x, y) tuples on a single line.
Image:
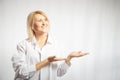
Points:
[(73, 55), (77, 54)]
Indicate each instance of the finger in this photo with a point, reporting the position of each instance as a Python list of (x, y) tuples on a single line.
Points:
[(79, 51), (51, 57), (85, 54), (59, 59)]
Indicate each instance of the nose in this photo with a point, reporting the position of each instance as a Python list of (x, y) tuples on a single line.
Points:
[(43, 23)]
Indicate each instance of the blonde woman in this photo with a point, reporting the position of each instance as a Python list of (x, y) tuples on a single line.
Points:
[(36, 59)]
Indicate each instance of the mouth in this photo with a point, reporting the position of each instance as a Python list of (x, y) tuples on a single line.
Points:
[(45, 26)]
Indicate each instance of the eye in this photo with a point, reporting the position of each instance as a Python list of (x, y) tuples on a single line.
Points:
[(46, 19)]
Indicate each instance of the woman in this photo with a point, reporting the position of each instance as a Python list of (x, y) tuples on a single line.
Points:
[(35, 59)]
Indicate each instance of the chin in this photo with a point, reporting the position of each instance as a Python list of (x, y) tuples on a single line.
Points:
[(45, 32)]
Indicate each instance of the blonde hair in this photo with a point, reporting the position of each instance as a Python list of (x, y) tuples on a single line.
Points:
[(30, 22)]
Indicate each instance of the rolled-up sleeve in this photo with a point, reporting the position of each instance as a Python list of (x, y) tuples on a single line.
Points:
[(62, 69), (21, 67)]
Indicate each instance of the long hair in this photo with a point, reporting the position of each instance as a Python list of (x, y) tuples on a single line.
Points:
[(30, 22)]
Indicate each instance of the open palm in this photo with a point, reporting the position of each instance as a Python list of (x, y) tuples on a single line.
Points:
[(77, 54)]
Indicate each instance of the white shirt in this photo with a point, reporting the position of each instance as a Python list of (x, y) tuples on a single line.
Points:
[(29, 54)]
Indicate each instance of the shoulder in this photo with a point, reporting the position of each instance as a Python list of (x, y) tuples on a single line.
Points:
[(23, 43)]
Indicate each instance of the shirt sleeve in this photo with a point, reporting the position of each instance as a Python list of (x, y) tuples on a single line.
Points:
[(62, 69), (20, 65), (62, 66)]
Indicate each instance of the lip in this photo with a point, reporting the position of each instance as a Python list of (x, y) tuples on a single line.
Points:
[(43, 26)]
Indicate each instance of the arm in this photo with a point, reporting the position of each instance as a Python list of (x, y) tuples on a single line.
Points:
[(42, 64), (22, 68), (47, 61)]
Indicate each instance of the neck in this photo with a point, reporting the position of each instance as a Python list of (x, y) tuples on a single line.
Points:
[(41, 36), (41, 39)]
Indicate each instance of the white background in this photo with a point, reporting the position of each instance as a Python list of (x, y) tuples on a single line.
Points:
[(88, 25)]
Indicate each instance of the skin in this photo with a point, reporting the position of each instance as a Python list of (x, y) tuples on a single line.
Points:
[(41, 29)]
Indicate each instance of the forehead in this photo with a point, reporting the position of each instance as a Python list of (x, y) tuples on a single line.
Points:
[(39, 16)]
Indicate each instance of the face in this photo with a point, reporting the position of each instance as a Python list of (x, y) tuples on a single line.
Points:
[(41, 24)]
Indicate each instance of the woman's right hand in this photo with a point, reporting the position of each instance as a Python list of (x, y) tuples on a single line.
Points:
[(54, 58), (47, 61)]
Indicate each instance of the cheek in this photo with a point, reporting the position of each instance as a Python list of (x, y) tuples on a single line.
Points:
[(35, 27), (36, 24)]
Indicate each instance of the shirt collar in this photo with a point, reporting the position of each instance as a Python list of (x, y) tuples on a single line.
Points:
[(49, 40)]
